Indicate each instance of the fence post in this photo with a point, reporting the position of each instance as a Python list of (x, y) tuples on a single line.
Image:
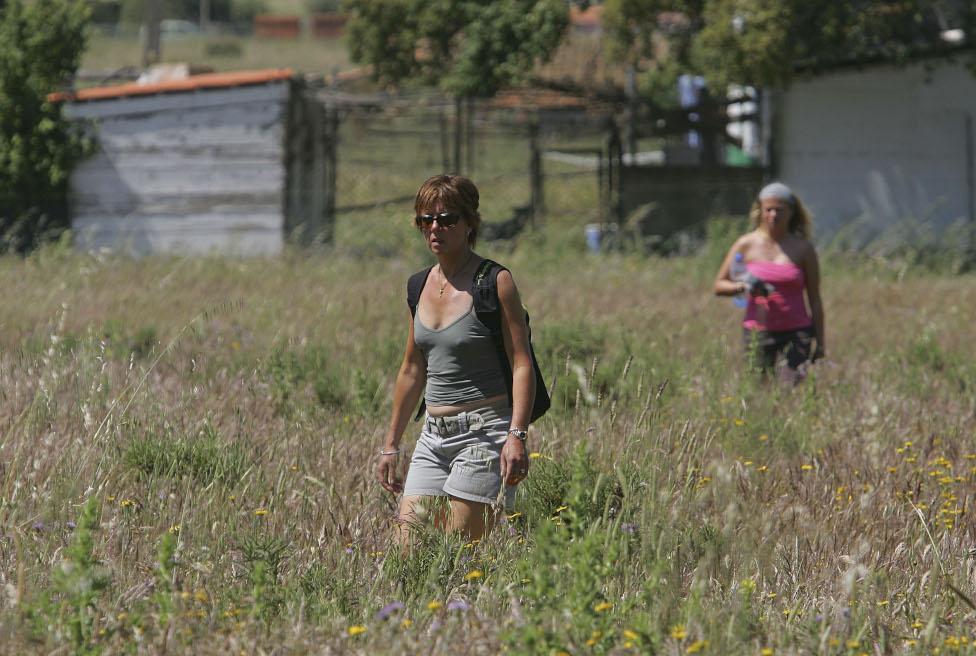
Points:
[(614, 166), (445, 141), (331, 138), (458, 111), (469, 138), (535, 171)]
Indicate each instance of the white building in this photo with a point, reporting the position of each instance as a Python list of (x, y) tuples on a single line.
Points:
[(222, 162), (875, 146)]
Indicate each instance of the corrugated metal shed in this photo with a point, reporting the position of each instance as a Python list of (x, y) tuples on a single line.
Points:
[(189, 166)]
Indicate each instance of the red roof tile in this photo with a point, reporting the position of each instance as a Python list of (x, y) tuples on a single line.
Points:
[(192, 83)]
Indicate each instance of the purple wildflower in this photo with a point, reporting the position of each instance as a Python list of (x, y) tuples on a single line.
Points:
[(629, 529), (38, 525), (71, 525), (389, 609), (458, 604)]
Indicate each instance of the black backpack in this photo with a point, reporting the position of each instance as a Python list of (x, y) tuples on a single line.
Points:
[(484, 289)]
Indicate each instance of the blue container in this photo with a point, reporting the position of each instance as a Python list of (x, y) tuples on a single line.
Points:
[(594, 234)]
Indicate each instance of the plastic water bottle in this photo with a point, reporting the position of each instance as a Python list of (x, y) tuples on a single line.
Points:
[(738, 272)]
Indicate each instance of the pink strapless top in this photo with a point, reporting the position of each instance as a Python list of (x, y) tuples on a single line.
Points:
[(784, 308)]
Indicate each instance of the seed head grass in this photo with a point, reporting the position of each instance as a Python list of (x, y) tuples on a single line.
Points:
[(187, 449)]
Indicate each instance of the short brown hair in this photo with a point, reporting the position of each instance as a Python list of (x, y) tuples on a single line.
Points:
[(457, 194)]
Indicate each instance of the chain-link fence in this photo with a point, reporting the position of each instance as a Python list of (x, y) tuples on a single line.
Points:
[(527, 163)]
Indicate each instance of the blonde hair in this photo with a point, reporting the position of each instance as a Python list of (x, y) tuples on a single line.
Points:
[(801, 223), (457, 194)]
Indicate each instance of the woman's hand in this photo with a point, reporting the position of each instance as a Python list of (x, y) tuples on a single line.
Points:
[(386, 473), (514, 461)]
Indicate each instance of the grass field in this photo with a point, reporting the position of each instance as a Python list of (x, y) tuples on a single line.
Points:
[(187, 448)]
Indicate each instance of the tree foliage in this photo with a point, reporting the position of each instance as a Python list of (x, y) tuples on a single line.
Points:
[(41, 44), (764, 42), (466, 47)]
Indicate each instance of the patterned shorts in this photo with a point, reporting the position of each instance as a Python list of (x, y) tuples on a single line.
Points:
[(764, 346)]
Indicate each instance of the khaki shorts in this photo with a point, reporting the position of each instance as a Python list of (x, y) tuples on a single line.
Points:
[(460, 456)]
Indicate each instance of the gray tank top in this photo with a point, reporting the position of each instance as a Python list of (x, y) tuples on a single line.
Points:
[(462, 361)]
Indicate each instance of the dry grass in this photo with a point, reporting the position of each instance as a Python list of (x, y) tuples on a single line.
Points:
[(677, 504)]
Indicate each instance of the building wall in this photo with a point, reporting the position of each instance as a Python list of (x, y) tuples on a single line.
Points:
[(872, 148), (189, 172)]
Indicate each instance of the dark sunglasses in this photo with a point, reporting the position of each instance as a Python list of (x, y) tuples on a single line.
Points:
[(444, 219)]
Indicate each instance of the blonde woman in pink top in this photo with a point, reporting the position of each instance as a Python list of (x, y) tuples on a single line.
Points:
[(782, 268)]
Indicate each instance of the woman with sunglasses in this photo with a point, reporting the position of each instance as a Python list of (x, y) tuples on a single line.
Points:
[(471, 449)]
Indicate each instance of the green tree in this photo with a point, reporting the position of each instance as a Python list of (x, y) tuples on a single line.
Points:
[(765, 42), (468, 48), (41, 44)]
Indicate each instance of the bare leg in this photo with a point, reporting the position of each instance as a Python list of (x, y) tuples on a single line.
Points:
[(416, 512), (471, 519)]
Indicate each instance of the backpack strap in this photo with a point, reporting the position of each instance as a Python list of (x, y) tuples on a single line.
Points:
[(488, 309), (484, 290), (415, 286)]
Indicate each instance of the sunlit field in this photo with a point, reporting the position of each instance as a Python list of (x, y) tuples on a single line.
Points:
[(187, 450)]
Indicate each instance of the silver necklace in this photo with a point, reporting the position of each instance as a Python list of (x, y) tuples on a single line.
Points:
[(447, 278)]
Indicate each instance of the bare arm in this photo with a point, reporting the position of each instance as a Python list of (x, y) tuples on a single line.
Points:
[(724, 285), (811, 270), (515, 333), (407, 389)]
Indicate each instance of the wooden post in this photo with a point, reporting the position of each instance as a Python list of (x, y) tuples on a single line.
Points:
[(970, 259), (331, 172), (458, 111), (445, 142), (630, 89), (469, 138), (152, 50), (537, 191), (614, 165)]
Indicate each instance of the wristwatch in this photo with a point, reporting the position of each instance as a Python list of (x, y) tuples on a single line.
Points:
[(518, 433)]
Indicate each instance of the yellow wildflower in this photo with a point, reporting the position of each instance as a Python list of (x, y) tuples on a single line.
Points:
[(678, 632), (473, 574), (434, 605), (356, 630), (696, 646), (603, 606), (260, 512)]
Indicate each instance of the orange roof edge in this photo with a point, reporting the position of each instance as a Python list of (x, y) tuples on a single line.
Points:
[(192, 83)]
